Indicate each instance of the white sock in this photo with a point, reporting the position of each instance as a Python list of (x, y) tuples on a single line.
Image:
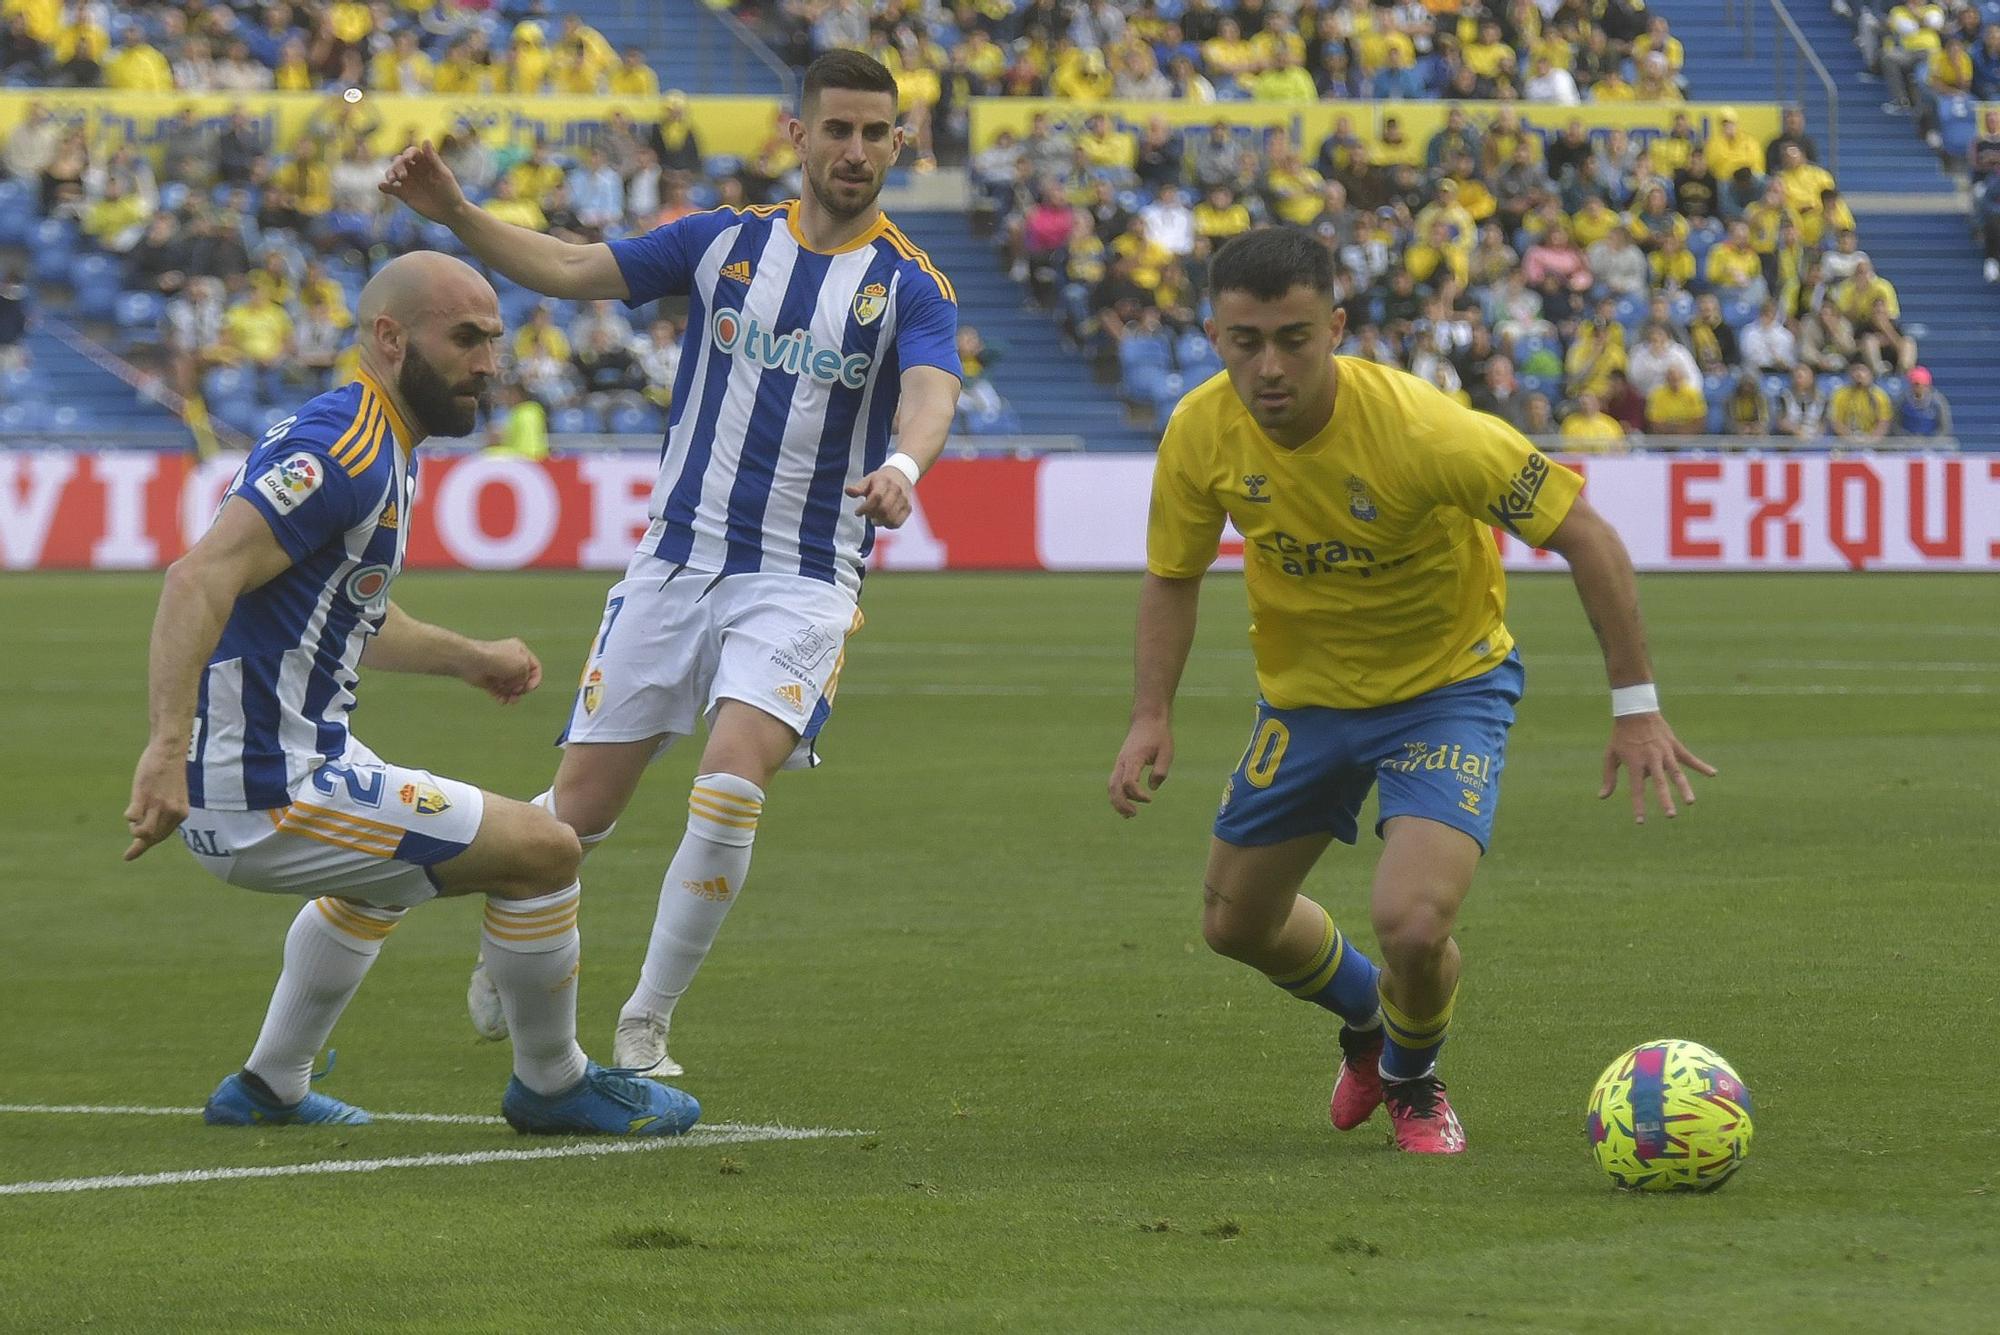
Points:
[(327, 953), (701, 883), (532, 953)]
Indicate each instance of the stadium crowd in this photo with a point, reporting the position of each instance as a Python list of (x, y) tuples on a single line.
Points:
[(1594, 286), (390, 46), (1094, 51)]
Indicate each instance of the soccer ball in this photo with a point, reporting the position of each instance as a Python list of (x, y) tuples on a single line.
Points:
[(1669, 1116)]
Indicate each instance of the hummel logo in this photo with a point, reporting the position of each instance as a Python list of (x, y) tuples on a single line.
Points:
[(738, 272), (1253, 486)]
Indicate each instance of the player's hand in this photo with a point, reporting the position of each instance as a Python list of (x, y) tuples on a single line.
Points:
[(504, 669), (159, 797), (1149, 745), (1647, 747), (419, 178), (885, 497)]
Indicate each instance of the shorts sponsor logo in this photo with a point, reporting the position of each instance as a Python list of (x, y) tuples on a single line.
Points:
[(288, 484), (368, 587), (870, 302), (593, 690), (1469, 800), (1359, 503), (205, 843), (1518, 501), (1469, 766), (424, 798), (793, 695), (806, 651), (1228, 795)]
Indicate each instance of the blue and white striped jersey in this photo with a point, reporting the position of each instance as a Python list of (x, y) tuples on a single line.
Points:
[(335, 483), (788, 382)]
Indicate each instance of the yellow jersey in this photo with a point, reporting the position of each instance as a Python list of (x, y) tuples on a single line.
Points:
[(1368, 551)]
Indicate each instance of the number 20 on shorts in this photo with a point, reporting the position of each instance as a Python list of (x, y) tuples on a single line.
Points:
[(1267, 751)]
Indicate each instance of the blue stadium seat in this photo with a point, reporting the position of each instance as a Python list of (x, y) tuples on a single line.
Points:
[(1538, 384), (719, 165), (139, 311), (17, 212), (1631, 311), (173, 194), (1001, 421), (1700, 241), (633, 420), (1718, 415), (1774, 386), (51, 245), (1894, 386), (69, 417), (29, 415), (241, 411), (703, 196), (225, 382), (1957, 123), (574, 422), (1738, 312), (1681, 306), (19, 382)]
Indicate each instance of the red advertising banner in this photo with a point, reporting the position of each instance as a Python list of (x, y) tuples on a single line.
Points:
[(138, 510)]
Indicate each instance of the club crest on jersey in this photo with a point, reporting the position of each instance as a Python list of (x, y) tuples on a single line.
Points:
[(424, 798), (870, 303), (288, 484), (368, 587), (809, 647), (593, 690), (1358, 502), (797, 352)]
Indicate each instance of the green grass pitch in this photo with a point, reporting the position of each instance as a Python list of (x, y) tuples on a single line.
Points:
[(1075, 1118)]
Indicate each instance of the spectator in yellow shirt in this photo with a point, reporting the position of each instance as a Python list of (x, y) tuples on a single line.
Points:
[(349, 21), (1597, 350), (1220, 216), (1227, 56), (1858, 295), (634, 77), (1446, 209), (1824, 225), (508, 206), (137, 66), (1730, 150), (1860, 412), (1286, 81), (528, 60), (1488, 56), (1676, 407), (306, 179), (402, 68), (1656, 83), (1593, 222), (540, 337), (1658, 37), (259, 332), (1612, 88), (1591, 430), (535, 177), (458, 73), (1910, 38), (1106, 146), (586, 45), (1293, 188), (1803, 182), (1437, 259), (116, 221), (1734, 267), (1085, 80)]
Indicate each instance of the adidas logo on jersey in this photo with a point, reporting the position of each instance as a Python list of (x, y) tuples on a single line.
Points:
[(797, 352), (738, 272)]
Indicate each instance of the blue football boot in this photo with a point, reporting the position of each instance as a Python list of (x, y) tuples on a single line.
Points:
[(606, 1102), (240, 1102)]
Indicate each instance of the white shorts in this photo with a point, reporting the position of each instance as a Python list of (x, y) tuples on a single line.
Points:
[(675, 642), (357, 829)]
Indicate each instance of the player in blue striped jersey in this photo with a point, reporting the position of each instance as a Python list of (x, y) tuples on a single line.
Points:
[(813, 327), (262, 630)]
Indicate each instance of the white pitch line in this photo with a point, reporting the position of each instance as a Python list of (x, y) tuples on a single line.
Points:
[(721, 1134), (109, 1109)]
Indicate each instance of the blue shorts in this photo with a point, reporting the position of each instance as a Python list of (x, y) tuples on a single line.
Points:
[(1439, 756)]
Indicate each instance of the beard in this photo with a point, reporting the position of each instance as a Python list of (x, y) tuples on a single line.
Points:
[(824, 186), (434, 401)]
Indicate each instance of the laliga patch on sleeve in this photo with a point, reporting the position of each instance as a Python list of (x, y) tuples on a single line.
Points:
[(287, 485)]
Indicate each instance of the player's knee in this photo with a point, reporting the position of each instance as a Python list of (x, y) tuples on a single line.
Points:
[(1232, 933), (1413, 932), (551, 858)]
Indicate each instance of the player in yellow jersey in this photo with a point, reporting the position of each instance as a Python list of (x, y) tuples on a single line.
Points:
[(1367, 501)]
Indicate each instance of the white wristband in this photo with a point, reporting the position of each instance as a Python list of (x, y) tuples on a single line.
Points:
[(1641, 699), (905, 465)]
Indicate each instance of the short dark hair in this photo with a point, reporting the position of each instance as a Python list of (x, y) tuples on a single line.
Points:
[(845, 69), (1268, 262)]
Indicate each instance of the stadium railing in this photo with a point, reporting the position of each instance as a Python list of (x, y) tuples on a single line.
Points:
[(1792, 59)]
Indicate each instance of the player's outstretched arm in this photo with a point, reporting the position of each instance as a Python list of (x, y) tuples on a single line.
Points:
[(237, 554), (928, 400), (504, 669), (1641, 741), (1167, 613), (544, 264)]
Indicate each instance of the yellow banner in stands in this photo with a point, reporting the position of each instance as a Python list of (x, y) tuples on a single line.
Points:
[(737, 125), (1309, 123)]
